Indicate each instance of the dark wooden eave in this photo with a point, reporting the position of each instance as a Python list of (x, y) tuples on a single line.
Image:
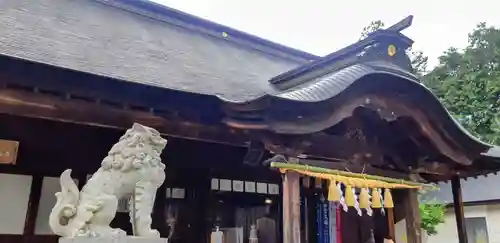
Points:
[(65, 108), (42, 91), (406, 100)]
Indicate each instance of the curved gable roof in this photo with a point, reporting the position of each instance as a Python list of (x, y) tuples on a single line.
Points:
[(374, 72)]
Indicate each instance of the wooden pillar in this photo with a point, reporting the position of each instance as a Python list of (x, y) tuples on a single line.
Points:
[(33, 203), (159, 215), (413, 229), (390, 224), (291, 206), (459, 209)]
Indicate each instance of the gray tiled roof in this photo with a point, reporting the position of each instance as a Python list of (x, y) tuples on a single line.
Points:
[(473, 190), (92, 37)]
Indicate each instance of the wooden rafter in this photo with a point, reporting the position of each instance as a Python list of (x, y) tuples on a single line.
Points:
[(63, 108), (367, 169)]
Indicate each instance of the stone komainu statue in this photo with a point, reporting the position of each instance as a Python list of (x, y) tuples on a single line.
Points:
[(132, 167)]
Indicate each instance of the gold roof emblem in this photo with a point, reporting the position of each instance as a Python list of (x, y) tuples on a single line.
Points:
[(391, 50)]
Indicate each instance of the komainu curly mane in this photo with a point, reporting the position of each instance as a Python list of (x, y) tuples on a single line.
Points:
[(132, 167)]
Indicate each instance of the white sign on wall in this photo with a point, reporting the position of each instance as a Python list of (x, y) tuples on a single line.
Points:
[(176, 193), (168, 192), (250, 186), (214, 184), (261, 188), (217, 184), (274, 189), (238, 186), (225, 185)]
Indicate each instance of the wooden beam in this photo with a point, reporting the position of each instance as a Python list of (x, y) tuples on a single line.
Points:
[(291, 206), (323, 174), (52, 107), (33, 204), (456, 189), (346, 149), (369, 170), (413, 229)]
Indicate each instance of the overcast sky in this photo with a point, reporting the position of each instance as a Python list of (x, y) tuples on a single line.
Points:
[(323, 26)]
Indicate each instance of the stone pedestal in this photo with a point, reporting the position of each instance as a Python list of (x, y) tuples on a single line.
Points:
[(119, 239)]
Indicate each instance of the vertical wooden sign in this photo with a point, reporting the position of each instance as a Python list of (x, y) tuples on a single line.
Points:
[(8, 151)]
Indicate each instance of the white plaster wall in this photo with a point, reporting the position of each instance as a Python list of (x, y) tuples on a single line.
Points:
[(400, 229), (50, 186), (447, 232), (14, 196), (493, 222)]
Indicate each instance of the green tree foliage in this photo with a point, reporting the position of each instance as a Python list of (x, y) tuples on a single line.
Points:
[(372, 27), (432, 215), (431, 212), (468, 83)]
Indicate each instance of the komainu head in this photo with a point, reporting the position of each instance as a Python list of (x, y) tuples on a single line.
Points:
[(139, 146)]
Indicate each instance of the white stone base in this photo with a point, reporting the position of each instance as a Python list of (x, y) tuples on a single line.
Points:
[(119, 239)]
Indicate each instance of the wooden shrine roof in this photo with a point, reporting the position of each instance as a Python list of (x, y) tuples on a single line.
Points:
[(263, 85), (142, 42)]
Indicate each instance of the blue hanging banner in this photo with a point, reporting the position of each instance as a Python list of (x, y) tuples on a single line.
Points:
[(325, 219), (333, 221), (319, 219)]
